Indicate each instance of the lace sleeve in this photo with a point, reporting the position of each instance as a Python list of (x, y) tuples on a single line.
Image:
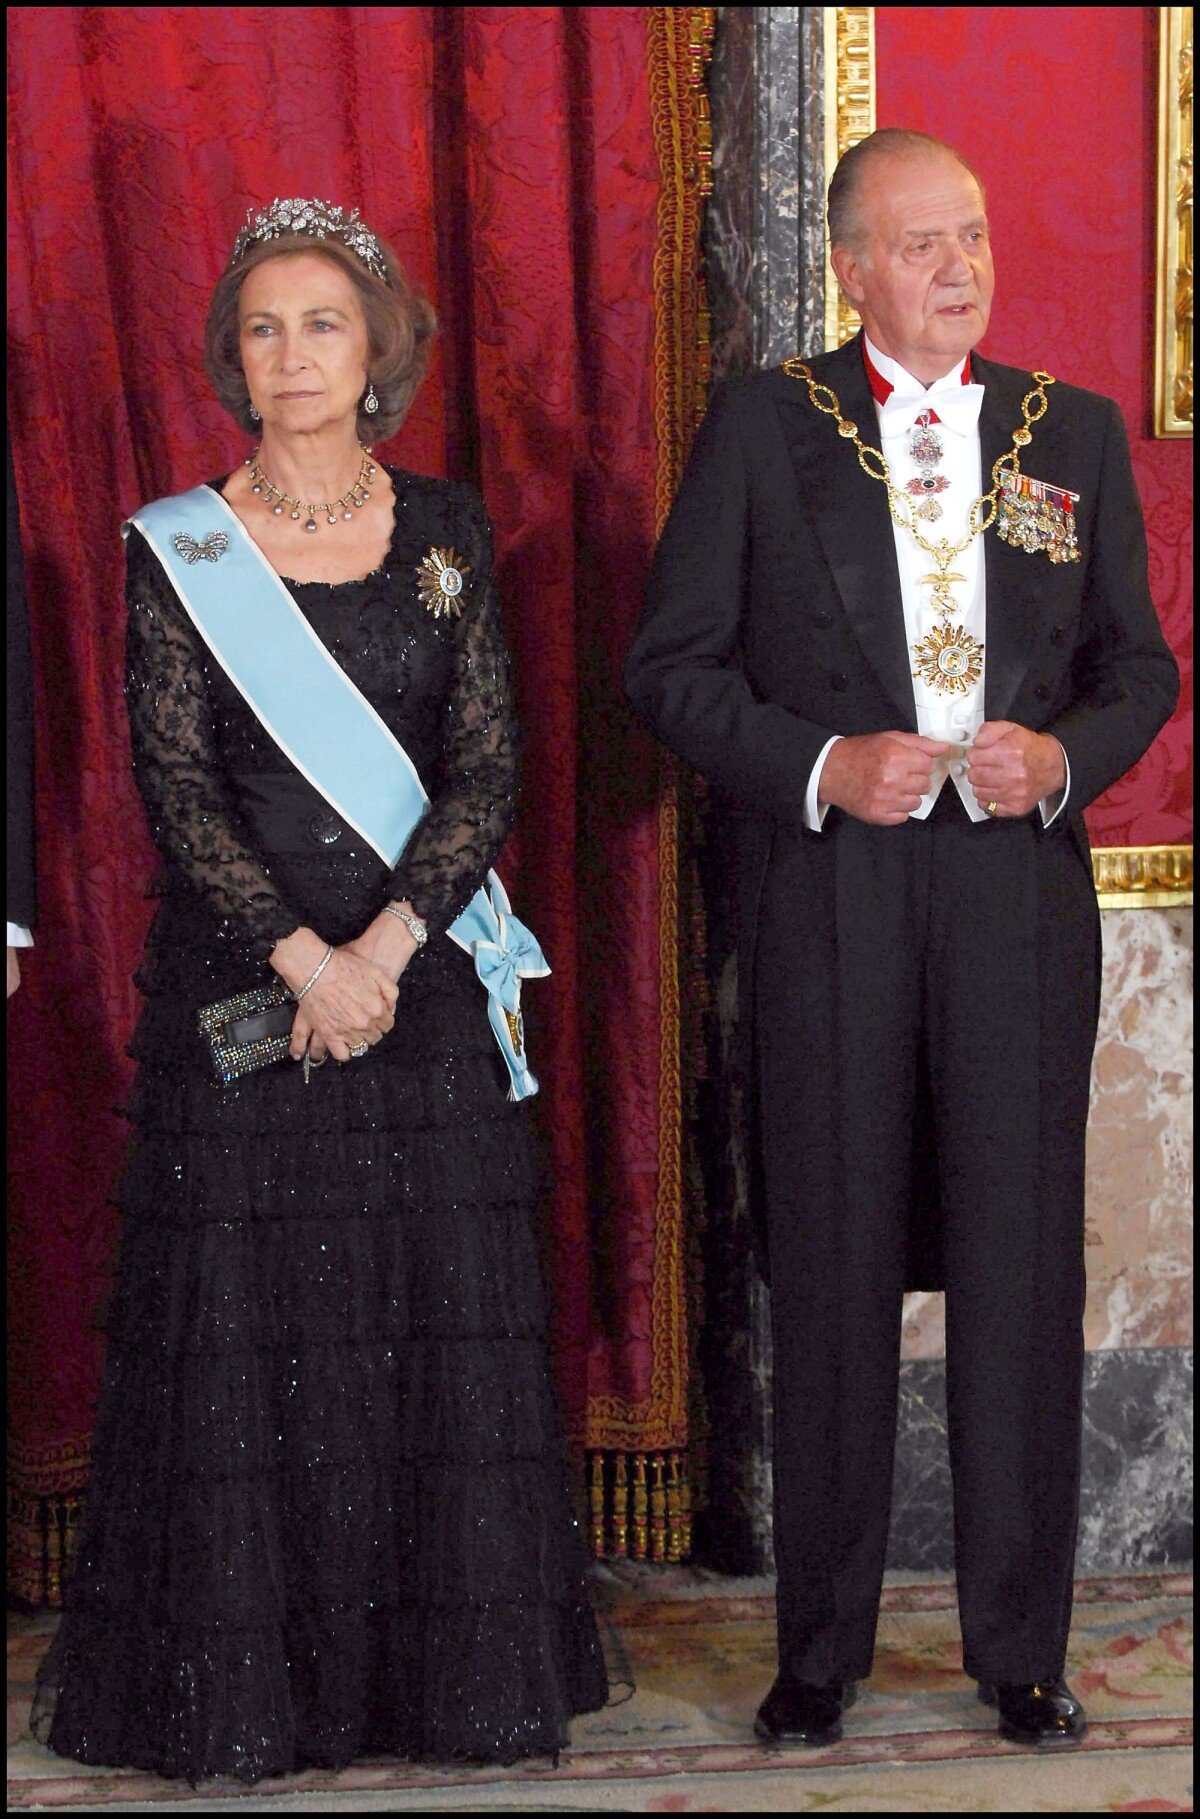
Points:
[(471, 810), (195, 823)]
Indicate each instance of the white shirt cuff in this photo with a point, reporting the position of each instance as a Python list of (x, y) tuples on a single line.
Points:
[(814, 810), (18, 936), (1052, 806)]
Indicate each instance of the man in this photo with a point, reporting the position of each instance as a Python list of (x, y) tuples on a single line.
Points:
[(909, 715)]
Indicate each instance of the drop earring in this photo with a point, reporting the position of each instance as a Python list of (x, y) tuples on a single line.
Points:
[(370, 402), (254, 416)]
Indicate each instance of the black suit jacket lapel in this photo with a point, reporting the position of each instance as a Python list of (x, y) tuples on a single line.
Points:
[(1011, 574), (850, 513)]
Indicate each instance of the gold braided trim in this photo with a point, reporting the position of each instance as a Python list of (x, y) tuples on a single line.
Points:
[(51, 1470), (679, 43)]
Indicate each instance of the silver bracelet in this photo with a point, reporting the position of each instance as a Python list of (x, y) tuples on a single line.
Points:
[(307, 988), (415, 927)]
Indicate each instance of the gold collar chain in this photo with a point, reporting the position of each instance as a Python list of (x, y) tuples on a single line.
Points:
[(903, 509)]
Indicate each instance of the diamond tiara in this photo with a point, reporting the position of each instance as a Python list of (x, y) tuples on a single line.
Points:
[(323, 220)]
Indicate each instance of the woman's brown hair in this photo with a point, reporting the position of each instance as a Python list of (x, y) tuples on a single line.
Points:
[(400, 326)]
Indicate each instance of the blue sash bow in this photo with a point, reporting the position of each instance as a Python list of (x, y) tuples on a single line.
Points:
[(327, 728)]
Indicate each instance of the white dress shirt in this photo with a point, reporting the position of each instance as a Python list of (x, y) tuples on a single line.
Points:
[(18, 936), (952, 718)]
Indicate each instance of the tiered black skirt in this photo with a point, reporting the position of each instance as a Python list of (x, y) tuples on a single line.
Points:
[(330, 1514)]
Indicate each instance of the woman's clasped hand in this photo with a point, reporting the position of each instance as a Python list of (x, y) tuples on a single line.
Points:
[(353, 1002)]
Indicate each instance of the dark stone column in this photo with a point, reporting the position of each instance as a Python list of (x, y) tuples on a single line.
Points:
[(764, 246)]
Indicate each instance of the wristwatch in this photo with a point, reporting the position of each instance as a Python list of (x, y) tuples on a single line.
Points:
[(413, 924)]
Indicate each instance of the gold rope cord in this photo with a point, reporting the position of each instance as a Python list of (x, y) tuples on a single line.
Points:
[(638, 1482)]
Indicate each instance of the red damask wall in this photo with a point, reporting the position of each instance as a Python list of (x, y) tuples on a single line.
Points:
[(1056, 107)]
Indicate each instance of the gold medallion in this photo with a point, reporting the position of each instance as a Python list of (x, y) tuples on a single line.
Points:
[(949, 660), (440, 578)]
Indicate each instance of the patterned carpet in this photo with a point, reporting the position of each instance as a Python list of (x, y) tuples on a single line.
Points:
[(701, 1658)]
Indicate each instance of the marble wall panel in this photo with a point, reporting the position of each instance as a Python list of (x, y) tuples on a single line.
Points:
[(730, 216), (1139, 1168), (1140, 1136), (764, 225), (777, 192), (1135, 1494)]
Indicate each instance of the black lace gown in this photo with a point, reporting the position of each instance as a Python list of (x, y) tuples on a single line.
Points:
[(330, 1513)]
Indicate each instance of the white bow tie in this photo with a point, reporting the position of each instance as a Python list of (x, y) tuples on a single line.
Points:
[(957, 407)]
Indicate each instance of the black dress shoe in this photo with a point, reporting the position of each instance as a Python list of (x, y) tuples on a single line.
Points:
[(1043, 1716), (795, 1713)]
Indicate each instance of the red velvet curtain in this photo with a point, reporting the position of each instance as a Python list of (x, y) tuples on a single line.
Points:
[(508, 154)]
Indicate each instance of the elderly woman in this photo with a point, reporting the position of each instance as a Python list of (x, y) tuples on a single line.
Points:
[(330, 1513)]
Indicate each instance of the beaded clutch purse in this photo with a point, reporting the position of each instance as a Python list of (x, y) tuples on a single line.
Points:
[(249, 1031)]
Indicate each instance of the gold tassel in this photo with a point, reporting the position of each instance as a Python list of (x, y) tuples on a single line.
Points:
[(639, 1504), (597, 1503), (620, 1527), (658, 1509), (685, 1508), (640, 1508), (674, 1508), (42, 1535)]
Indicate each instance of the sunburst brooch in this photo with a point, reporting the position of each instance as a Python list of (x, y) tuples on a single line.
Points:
[(440, 577), (949, 660)]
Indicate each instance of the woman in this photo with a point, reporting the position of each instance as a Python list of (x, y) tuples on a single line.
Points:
[(329, 1512)]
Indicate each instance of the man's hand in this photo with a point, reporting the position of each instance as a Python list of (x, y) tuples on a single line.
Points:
[(1014, 768), (14, 971), (879, 777)]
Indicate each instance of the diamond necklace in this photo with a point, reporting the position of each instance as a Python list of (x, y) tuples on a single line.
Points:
[(267, 491)]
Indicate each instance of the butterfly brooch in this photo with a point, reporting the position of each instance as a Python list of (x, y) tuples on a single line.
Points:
[(440, 578), (211, 548)]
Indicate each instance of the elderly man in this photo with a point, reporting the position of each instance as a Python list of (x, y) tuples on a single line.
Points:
[(900, 619)]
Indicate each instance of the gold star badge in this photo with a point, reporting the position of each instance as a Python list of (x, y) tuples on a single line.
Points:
[(440, 578), (949, 660)]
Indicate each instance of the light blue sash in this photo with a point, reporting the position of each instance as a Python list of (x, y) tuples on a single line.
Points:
[(326, 727)]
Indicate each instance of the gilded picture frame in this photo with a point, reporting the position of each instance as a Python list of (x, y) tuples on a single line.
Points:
[(849, 97), (1173, 357)]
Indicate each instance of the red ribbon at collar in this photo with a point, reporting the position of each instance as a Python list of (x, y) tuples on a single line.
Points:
[(882, 388)]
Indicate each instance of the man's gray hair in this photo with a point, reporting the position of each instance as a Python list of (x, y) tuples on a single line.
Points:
[(845, 226)]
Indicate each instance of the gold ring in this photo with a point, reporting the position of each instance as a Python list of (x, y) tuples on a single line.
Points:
[(360, 1050), (990, 808)]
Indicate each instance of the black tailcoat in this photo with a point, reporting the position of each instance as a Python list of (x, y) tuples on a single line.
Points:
[(921, 1000)]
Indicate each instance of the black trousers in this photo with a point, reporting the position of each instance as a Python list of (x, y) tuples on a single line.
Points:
[(958, 961)]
